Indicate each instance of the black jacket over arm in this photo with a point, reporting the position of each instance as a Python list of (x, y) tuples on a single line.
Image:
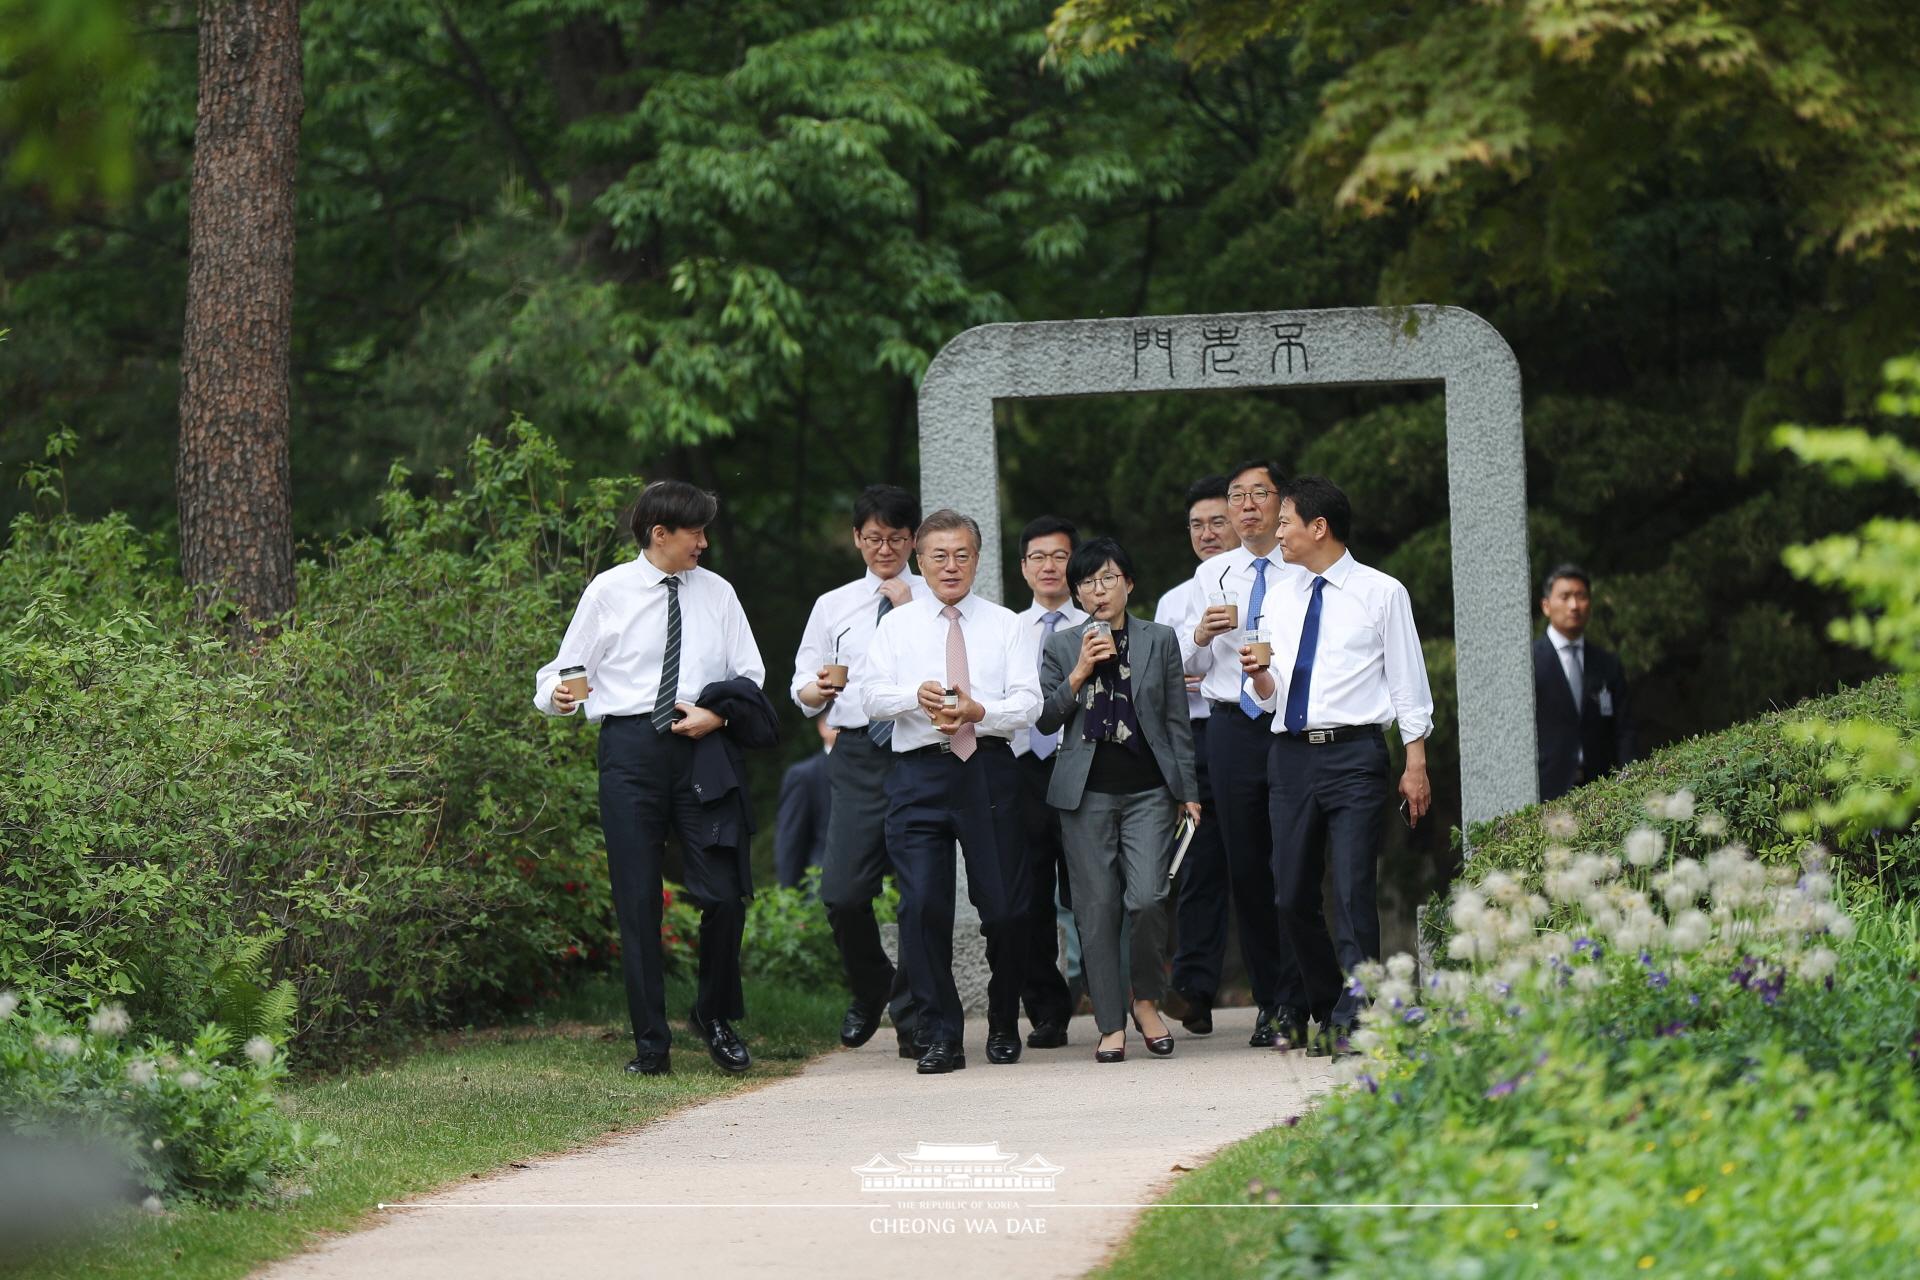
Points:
[(1607, 739), (719, 765)]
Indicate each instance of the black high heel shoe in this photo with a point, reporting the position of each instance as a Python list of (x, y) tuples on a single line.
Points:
[(1111, 1055), (1158, 1046)]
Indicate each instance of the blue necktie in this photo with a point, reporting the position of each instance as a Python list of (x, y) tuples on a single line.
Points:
[(1297, 692), (881, 731), (1254, 605), (1043, 744)]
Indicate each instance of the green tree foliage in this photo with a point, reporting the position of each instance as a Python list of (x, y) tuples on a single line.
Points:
[(70, 71)]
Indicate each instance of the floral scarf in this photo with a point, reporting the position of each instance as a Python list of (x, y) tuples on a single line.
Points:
[(1108, 698)]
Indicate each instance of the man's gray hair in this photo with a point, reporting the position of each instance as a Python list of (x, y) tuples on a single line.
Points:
[(944, 519)]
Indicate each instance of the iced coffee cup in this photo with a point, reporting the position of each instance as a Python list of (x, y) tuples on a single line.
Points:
[(1228, 600), (1261, 643), (837, 675)]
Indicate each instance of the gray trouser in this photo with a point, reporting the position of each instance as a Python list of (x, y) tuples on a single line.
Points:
[(1117, 850)]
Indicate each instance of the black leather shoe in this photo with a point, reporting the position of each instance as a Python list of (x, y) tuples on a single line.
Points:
[(1111, 1055), (1266, 1028), (941, 1057), (1046, 1035), (1198, 1019), (1293, 1030), (648, 1064), (728, 1051), (860, 1023), (1158, 1046), (911, 1048), (1003, 1047)]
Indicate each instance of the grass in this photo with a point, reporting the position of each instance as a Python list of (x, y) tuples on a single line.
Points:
[(470, 1103)]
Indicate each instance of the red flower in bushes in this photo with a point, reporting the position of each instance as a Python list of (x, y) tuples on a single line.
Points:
[(666, 897), (571, 887)]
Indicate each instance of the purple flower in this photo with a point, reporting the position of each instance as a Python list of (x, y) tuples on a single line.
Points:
[(1372, 1085), (1413, 1015), (1657, 981), (1504, 1088), (1671, 1029)]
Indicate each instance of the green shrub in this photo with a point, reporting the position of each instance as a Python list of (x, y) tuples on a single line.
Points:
[(371, 786), (195, 1119), (1756, 775)]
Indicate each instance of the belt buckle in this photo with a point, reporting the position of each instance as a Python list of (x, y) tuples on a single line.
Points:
[(945, 745), (1319, 737)]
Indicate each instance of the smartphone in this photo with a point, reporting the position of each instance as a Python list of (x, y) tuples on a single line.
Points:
[(1406, 814)]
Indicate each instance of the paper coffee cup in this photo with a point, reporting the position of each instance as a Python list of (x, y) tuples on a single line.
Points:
[(837, 675), (574, 680)]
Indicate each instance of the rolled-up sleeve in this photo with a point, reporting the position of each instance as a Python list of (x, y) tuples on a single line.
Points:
[(1406, 669), (810, 657), (882, 696), (583, 646)]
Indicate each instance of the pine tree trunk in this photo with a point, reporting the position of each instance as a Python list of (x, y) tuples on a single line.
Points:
[(236, 535)]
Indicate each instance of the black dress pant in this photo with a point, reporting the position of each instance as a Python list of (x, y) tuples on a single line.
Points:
[(1045, 991), (1237, 751), (1200, 886), (936, 800), (854, 871), (1327, 811), (646, 791)]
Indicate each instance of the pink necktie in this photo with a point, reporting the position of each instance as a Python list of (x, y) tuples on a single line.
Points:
[(963, 741)]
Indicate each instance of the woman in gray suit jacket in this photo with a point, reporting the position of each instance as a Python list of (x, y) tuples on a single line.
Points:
[(1122, 774)]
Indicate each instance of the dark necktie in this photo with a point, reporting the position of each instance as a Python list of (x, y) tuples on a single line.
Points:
[(881, 731), (1043, 744), (670, 662), (1302, 685), (1255, 603)]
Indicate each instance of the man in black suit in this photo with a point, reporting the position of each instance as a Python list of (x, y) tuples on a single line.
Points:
[(806, 800), (1584, 735)]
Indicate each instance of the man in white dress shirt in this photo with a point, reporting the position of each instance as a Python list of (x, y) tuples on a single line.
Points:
[(1238, 740), (1201, 889), (839, 631), (652, 635), (1346, 663), (956, 676), (1046, 545)]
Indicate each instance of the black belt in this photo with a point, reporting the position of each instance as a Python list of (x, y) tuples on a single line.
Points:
[(945, 746), (1230, 708), (1345, 733)]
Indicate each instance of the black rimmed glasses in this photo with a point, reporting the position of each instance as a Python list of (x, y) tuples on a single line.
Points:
[(1099, 582), (898, 541), (1257, 495), (1038, 558)]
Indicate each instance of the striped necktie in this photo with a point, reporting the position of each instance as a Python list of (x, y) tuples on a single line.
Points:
[(881, 731), (670, 663)]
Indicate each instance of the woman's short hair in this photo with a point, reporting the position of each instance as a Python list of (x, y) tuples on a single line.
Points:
[(1091, 556), (944, 519), (673, 504)]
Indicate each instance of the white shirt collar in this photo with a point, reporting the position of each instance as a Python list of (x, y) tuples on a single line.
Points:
[(653, 575), (1339, 571), (1561, 641)]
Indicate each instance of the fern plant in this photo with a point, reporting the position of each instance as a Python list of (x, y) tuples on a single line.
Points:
[(243, 1002)]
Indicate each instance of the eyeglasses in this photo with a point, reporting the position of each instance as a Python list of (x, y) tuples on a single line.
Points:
[(1102, 582), (873, 541), (941, 559), (1256, 495), (1038, 558), (1217, 524)]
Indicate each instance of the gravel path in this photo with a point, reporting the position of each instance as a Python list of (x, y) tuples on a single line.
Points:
[(763, 1183)]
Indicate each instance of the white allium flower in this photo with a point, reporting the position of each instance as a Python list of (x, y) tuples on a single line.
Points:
[(1366, 1040), (65, 1046), (8, 1003), (142, 1072), (1680, 806), (159, 1144), (1818, 963), (1841, 928), (1460, 947), (109, 1020), (1711, 825), (190, 1079), (1589, 978), (260, 1050), (152, 1205), (1560, 824), (1558, 857), (1401, 966), (1466, 909), (1502, 888), (1644, 846), (1816, 884), (1690, 931), (1556, 944), (1655, 805), (1394, 993)]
